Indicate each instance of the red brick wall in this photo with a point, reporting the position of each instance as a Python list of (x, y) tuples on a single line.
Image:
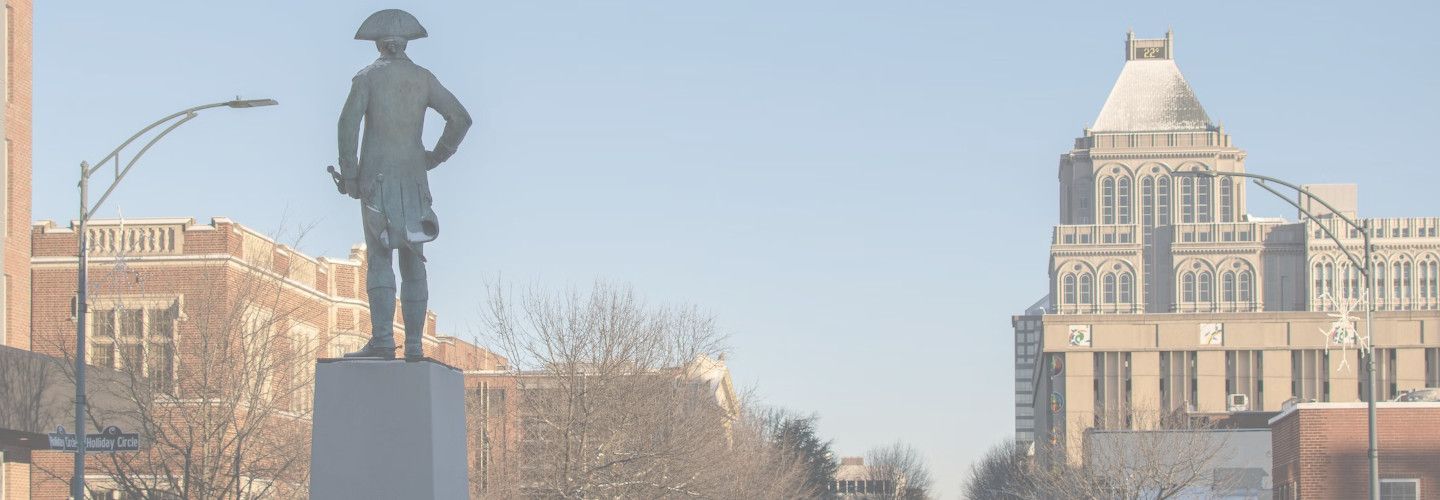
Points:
[(17, 133), (1322, 450)]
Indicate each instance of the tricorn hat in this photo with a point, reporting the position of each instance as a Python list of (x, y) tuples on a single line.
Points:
[(390, 23)]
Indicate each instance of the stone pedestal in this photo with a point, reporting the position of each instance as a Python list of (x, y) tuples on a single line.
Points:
[(388, 429)]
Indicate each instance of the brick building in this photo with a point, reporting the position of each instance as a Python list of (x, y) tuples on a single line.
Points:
[(174, 304), (14, 231), (1320, 450), (15, 109)]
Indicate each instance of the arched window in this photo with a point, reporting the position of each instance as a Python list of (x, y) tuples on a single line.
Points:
[(1354, 277), (1247, 290), (1227, 201), (1147, 202), (1162, 201), (1126, 287), (1204, 284), (1068, 290), (1227, 287), (1202, 196), (1380, 288), (1405, 271), (1187, 199), (1434, 280), (1395, 271), (1107, 201), (1109, 288), (1320, 287), (1345, 272), (1122, 198), (1087, 289), (1187, 287)]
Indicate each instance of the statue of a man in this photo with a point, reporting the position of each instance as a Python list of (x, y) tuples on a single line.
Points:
[(389, 177)]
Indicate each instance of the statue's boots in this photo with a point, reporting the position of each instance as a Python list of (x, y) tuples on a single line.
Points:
[(413, 312), (382, 326)]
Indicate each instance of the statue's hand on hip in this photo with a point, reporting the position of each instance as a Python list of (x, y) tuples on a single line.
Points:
[(352, 187), (432, 160)]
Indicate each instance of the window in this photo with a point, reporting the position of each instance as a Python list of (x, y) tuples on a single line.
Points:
[(1126, 297), (1204, 286), (1244, 372), (1323, 278), (1227, 287), (1162, 201), (138, 337), (1178, 379), (1380, 280), (1246, 288), (1187, 287), (1399, 489), (1087, 289), (1432, 367), (1405, 280), (1187, 200), (1352, 279), (1202, 196), (1430, 280), (1385, 376), (1395, 281), (1068, 289), (1110, 286), (1122, 198), (1107, 201), (1147, 202), (1112, 390), (1227, 205)]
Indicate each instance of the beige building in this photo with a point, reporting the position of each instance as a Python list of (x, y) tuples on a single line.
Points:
[(1165, 294)]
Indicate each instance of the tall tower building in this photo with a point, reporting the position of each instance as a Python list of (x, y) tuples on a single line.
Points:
[(1166, 295)]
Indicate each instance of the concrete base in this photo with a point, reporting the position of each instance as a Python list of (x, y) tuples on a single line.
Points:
[(388, 429)]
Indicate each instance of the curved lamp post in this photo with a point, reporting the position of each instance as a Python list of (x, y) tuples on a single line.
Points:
[(77, 483), (1364, 263)]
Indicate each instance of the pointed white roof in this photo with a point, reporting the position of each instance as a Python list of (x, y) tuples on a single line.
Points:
[(1151, 96)]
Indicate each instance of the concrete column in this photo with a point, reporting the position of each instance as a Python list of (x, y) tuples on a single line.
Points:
[(1145, 387), (1210, 381), (1079, 401), (1409, 368), (1343, 381), (1277, 379)]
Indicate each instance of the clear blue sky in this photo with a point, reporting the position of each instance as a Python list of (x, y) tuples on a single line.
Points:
[(862, 192)]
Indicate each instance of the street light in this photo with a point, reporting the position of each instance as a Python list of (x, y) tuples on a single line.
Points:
[(1364, 263), (77, 483)]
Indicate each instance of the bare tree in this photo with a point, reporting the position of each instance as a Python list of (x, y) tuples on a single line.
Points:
[(901, 470), (28, 386), (217, 381), (1169, 456), (1004, 473), (620, 399)]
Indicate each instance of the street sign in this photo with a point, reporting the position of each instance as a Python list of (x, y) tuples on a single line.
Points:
[(109, 440)]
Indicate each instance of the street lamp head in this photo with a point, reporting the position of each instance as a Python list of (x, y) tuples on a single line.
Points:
[(251, 103)]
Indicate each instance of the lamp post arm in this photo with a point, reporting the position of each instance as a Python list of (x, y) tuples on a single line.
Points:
[(123, 145), (1304, 191), (1323, 227), (131, 164)]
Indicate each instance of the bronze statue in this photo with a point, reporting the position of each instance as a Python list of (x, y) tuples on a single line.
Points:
[(390, 176)]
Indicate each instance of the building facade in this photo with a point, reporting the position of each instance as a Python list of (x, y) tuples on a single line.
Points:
[(1320, 451), (1167, 295), (15, 109), (188, 312), (15, 89), (1027, 350)]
